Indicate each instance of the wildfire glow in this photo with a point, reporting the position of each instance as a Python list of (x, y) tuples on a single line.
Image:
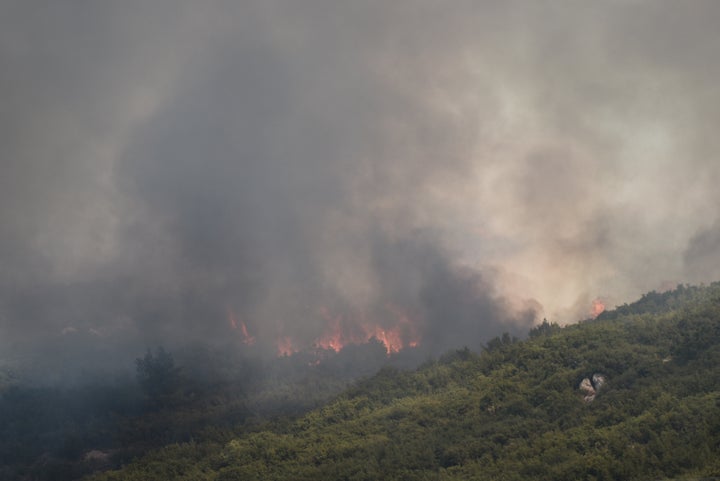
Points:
[(397, 332), (389, 337), (598, 307), (247, 338), (285, 346), (333, 338), (395, 338)]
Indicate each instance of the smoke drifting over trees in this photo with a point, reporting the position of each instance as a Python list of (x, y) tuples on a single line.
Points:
[(473, 167)]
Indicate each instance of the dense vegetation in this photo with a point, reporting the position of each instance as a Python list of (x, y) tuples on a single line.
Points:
[(512, 412), (64, 431)]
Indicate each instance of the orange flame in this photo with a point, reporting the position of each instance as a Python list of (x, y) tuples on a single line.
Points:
[(391, 338), (394, 338), (285, 346), (598, 307), (247, 338), (333, 337), (396, 333)]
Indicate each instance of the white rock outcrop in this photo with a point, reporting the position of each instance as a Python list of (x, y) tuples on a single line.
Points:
[(587, 388), (590, 386)]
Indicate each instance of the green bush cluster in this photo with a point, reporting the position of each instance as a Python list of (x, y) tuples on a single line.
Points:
[(513, 412)]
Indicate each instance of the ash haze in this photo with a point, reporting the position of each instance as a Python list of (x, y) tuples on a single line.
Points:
[(473, 166)]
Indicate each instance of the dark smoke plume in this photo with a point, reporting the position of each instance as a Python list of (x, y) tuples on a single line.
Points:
[(474, 166)]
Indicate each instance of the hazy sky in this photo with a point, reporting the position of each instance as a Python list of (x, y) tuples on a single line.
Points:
[(475, 164)]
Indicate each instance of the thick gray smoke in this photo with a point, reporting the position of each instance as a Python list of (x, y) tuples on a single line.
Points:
[(475, 165)]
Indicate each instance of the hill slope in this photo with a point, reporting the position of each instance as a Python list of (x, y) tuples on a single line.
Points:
[(513, 412)]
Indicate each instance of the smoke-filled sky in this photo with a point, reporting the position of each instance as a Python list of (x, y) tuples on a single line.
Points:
[(473, 166)]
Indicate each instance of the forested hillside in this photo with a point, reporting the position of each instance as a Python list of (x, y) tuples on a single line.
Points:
[(514, 411), (63, 431)]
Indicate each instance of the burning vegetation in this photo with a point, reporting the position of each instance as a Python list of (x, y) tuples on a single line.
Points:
[(235, 324), (341, 331), (398, 331)]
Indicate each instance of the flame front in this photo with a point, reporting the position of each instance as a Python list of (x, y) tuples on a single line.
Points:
[(398, 332), (402, 334)]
